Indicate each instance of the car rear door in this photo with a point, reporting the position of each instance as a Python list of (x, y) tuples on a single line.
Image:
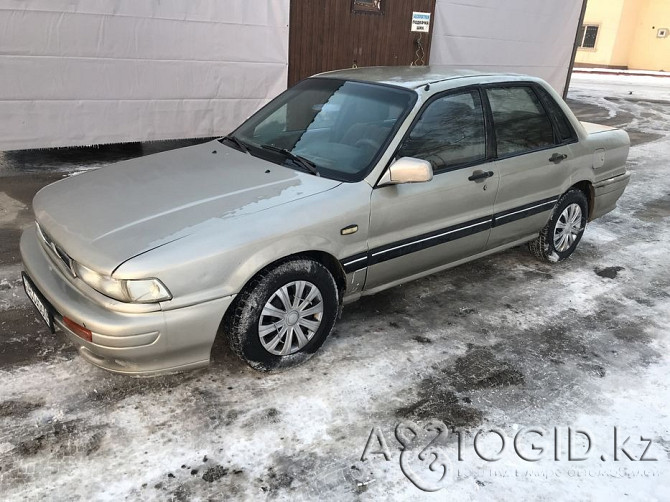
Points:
[(533, 145), (421, 227)]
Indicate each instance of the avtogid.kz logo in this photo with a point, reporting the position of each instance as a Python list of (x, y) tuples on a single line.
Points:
[(424, 458)]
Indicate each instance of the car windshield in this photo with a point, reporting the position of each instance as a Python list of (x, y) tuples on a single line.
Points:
[(339, 127)]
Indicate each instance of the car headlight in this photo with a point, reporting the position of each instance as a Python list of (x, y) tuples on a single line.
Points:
[(124, 290)]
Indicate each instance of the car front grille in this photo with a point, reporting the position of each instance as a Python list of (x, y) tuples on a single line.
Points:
[(57, 251)]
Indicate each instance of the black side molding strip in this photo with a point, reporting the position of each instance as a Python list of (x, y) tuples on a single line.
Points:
[(424, 241), (524, 211), (355, 262), (443, 235)]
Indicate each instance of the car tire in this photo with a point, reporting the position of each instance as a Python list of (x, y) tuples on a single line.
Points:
[(561, 235), (283, 315)]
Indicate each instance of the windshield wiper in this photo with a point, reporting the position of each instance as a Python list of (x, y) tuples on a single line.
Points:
[(306, 164), (237, 142)]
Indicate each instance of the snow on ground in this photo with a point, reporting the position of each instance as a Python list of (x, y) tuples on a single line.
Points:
[(647, 87), (573, 350), (614, 71)]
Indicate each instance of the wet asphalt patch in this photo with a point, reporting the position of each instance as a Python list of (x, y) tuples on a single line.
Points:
[(18, 410), (116, 388), (631, 334), (591, 112), (422, 339), (62, 439), (608, 272), (442, 394), (479, 368), (655, 210), (437, 401), (286, 476), (26, 339)]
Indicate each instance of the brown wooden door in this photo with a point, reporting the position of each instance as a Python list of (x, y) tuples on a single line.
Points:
[(332, 34)]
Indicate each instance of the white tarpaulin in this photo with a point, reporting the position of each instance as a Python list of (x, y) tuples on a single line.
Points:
[(535, 37), (83, 72)]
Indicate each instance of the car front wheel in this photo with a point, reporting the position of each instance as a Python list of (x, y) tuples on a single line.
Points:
[(283, 315), (560, 237)]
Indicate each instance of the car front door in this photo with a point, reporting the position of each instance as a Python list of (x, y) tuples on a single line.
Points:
[(415, 228), (533, 142)]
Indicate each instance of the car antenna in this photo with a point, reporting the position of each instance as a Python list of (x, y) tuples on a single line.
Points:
[(427, 88)]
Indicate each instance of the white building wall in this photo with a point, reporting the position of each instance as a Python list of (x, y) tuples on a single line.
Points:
[(535, 37), (83, 72)]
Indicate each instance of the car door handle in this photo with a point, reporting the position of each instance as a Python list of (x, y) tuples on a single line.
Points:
[(480, 175), (557, 158)]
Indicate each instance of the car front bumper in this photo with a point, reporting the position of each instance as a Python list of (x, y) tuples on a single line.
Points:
[(134, 343)]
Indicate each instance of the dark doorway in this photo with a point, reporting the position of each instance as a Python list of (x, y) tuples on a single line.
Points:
[(332, 34)]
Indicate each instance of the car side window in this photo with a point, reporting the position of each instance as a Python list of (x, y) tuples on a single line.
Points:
[(450, 132), (564, 131), (519, 120)]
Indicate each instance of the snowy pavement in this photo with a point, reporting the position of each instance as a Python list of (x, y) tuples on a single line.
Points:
[(615, 71), (548, 358)]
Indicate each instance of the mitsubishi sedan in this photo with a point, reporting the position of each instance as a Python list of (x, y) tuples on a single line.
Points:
[(349, 183)]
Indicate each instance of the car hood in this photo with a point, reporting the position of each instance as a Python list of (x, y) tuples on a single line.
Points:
[(104, 217)]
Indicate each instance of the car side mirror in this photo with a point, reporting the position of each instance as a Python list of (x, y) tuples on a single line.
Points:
[(407, 170)]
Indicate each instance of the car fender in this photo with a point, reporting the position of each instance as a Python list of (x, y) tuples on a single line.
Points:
[(220, 257)]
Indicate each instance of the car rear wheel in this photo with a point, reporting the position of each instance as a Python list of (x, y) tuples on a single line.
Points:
[(560, 237), (283, 315)]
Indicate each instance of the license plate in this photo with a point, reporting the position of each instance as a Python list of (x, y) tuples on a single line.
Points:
[(38, 300)]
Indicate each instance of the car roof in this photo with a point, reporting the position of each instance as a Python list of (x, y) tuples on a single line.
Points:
[(411, 77)]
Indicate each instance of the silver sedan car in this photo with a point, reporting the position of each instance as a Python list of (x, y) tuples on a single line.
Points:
[(349, 183)]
